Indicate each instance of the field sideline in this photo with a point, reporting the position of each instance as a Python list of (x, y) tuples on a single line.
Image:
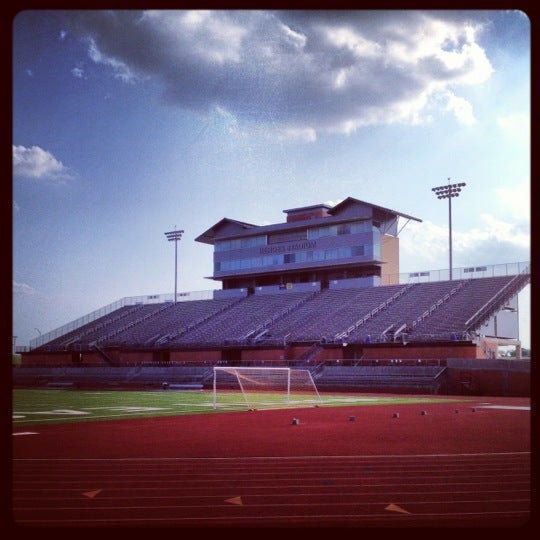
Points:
[(44, 406)]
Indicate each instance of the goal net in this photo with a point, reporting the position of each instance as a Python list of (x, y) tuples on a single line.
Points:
[(263, 388)]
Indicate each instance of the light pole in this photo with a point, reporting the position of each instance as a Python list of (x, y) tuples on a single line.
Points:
[(447, 192), (174, 236)]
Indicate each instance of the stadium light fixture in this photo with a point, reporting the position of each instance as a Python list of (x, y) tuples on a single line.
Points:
[(175, 236), (448, 192)]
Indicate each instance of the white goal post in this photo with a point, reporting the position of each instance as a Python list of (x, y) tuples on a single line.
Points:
[(263, 387)]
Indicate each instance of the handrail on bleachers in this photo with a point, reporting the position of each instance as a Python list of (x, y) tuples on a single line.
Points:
[(503, 296)]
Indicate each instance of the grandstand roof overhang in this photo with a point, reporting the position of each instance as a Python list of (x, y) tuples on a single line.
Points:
[(347, 210), (378, 212), (226, 226)]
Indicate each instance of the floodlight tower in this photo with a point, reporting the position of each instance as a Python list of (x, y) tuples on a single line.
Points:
[(174, 236), (447, 192)]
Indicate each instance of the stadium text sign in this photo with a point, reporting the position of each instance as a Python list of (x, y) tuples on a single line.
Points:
[(308, 244)]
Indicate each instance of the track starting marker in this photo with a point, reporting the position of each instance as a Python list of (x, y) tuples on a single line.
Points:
[(395, 508), (92, 494), (235, 500)]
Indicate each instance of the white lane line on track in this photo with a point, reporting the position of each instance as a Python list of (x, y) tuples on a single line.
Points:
[(509, 407)]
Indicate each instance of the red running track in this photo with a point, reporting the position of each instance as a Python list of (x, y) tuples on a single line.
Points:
[(440, 465)]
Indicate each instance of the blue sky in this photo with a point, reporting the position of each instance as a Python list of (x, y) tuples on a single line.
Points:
[(129, 124)]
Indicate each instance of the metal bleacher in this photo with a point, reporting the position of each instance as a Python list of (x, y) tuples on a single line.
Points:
[(410, 379), (191, 377), (414, 311)]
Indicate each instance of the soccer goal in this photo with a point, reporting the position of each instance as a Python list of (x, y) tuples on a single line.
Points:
[(263, 388)]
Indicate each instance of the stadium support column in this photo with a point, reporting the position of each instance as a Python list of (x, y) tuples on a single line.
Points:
[(447, 192), (175, 236)]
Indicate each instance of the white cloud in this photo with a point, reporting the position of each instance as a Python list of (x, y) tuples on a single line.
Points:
[(500, 231), (77, 72), (22, 288), (462, 109), (120, 69), (345, 37), (291, 133), (215, 39), (314, 72), (516, 125), (425, 246), (34, 162), (516, 201)]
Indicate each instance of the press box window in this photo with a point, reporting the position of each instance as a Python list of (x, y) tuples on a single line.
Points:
[(289, 258)]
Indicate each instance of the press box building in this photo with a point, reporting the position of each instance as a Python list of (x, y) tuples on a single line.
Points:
[(351, 244)]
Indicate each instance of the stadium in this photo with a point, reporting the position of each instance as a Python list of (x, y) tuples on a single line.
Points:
[(319, 387), (320, 292), (331, 376)]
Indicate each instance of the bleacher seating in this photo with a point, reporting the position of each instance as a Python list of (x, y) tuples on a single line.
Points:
[(433, 310), (118, 377), (410, 379), (417, 299), (163, 340), (239, 322), (330, 312), (122, 316), (451, 317), (171, 319)]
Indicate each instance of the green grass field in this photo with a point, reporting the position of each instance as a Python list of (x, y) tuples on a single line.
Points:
[(37, 407)]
